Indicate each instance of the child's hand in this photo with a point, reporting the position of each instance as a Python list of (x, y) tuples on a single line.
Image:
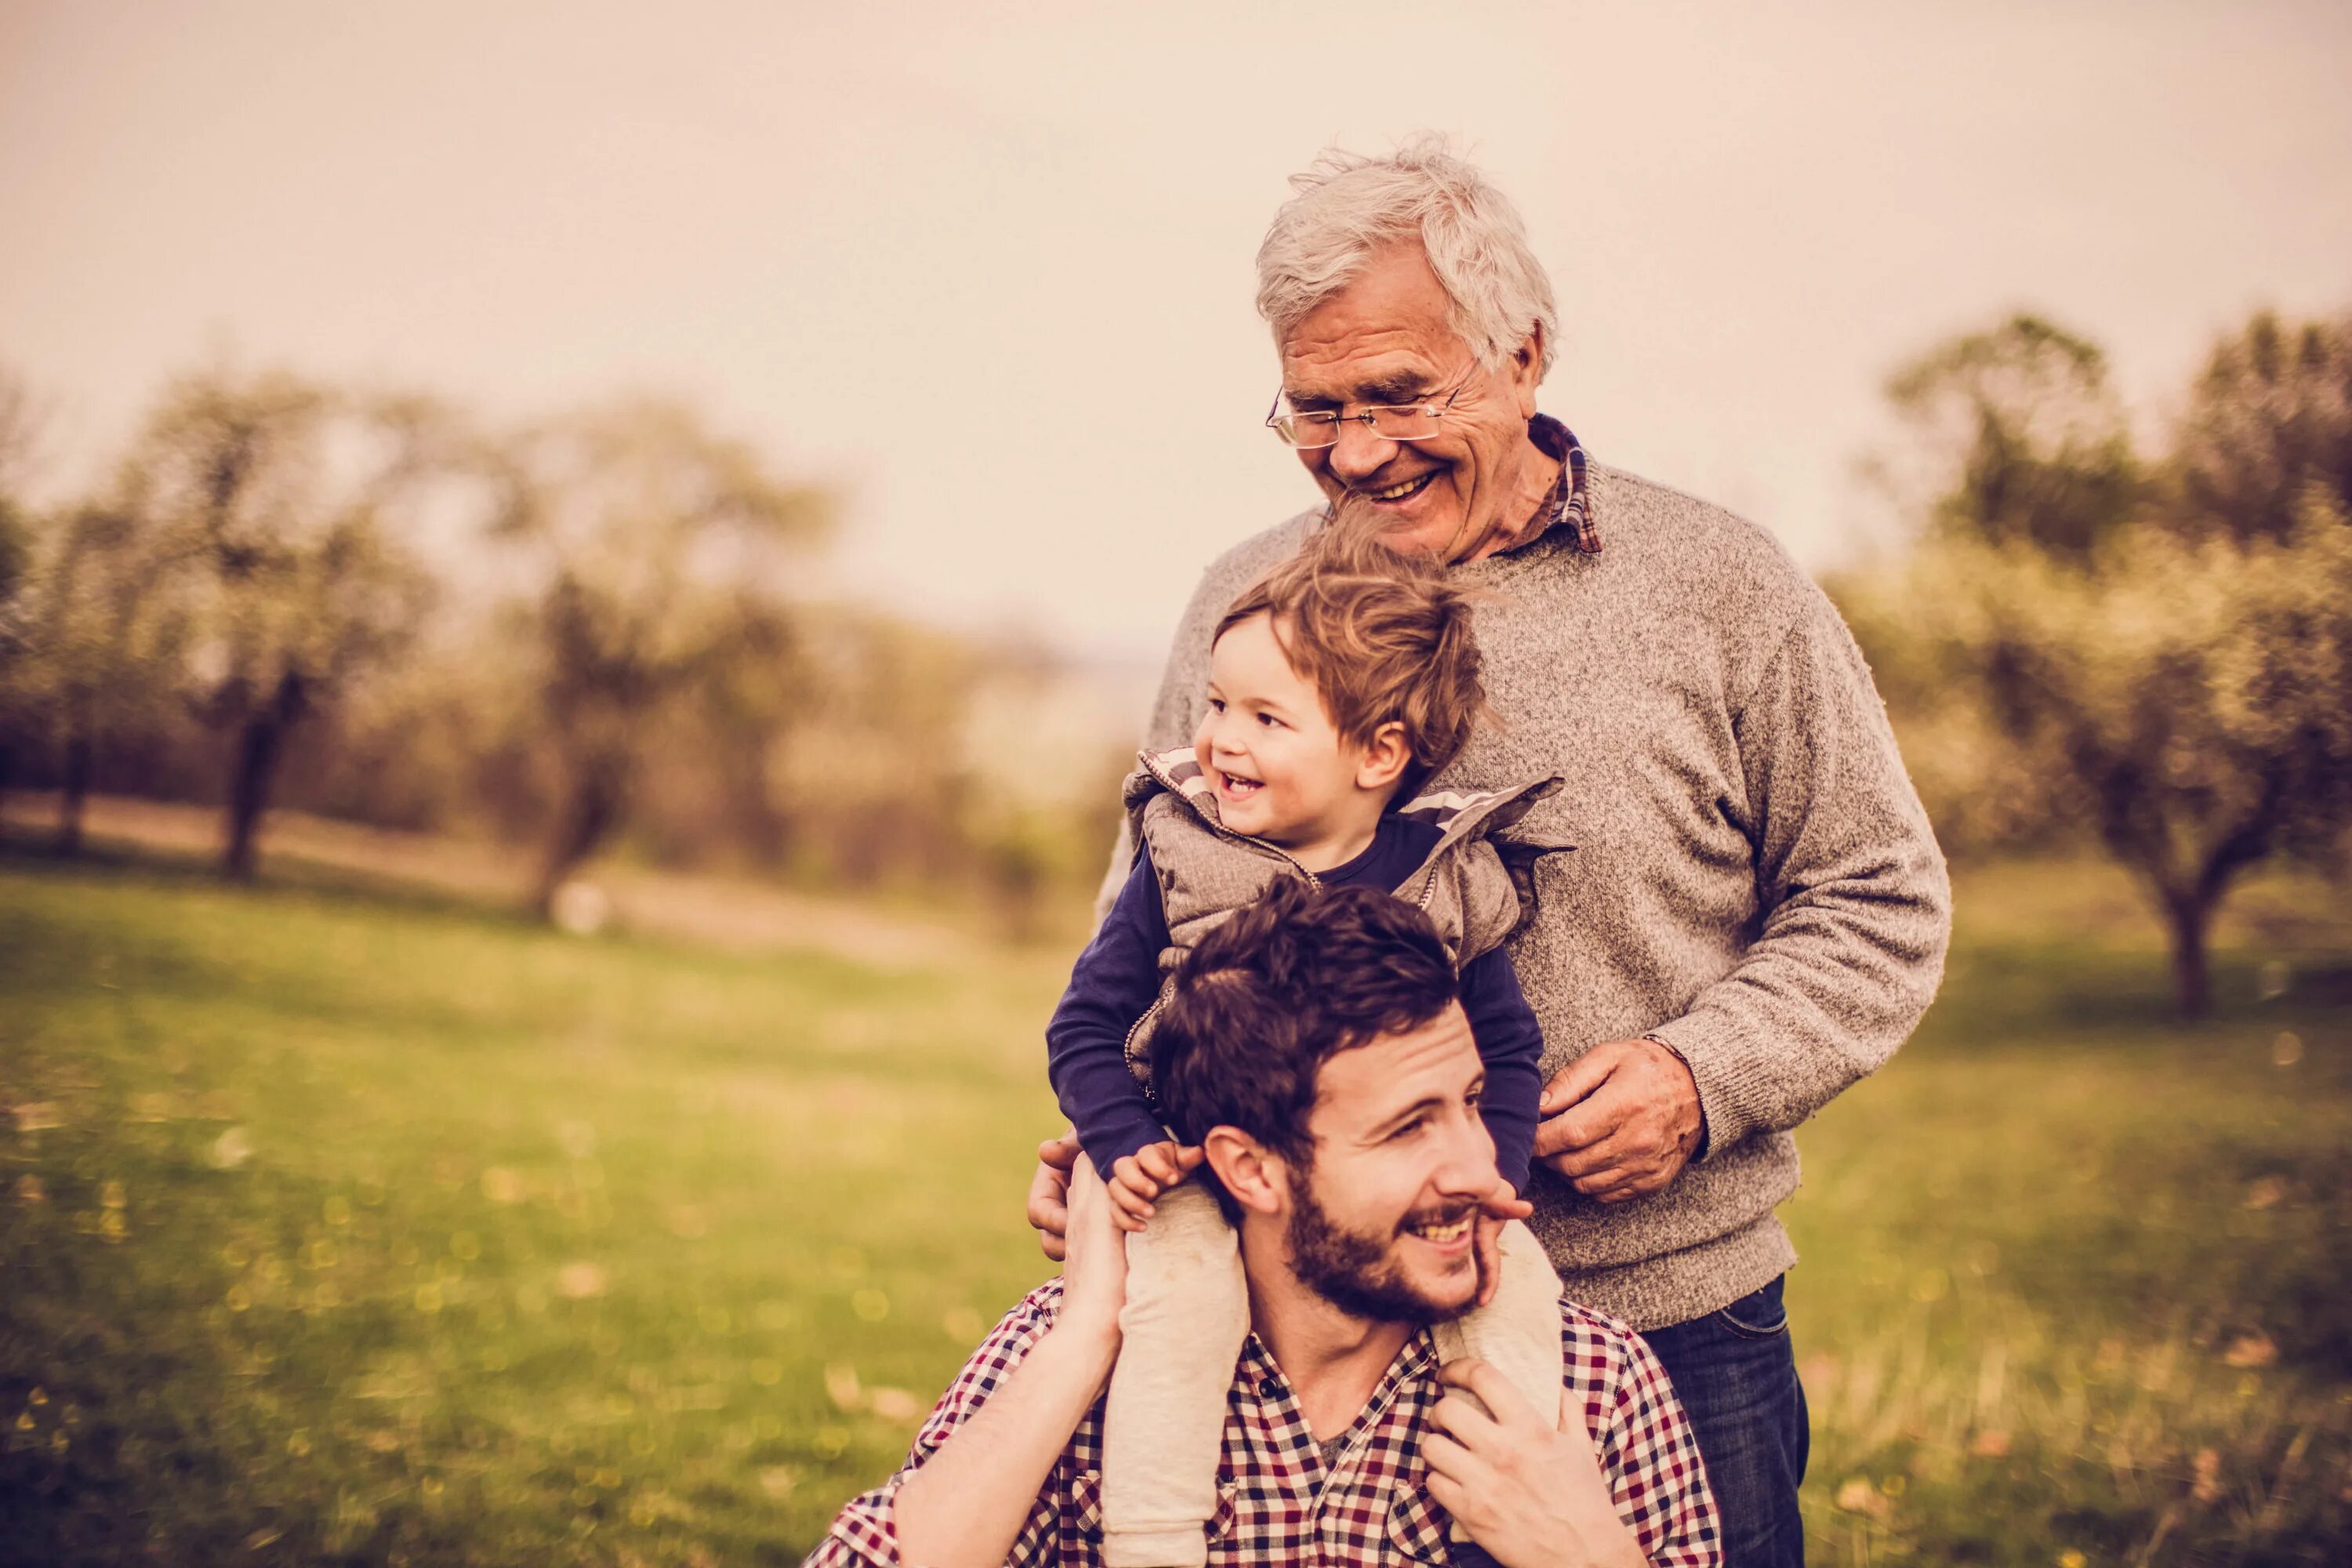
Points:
[(1136, 1179), (1502, 1207)]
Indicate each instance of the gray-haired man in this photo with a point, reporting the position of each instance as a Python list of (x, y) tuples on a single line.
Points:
[(1740, 907)]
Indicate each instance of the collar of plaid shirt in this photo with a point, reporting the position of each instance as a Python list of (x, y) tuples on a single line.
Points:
[(1281, 1502), (1569, 506)]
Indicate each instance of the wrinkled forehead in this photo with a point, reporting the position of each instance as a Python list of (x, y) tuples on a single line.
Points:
[(1387, 333)]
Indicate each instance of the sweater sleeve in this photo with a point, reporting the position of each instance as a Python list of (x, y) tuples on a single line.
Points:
[(1114, 983), (1510, 1042), (1855, 902)]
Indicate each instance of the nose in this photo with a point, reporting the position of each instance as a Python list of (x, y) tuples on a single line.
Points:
[(1358, 453), (1467, 1168), (1215, 735)]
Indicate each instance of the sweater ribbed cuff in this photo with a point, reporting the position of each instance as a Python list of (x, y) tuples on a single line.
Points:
[(1728, 1099)]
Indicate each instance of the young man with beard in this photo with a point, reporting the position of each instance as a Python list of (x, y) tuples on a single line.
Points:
[(1316, 1049)]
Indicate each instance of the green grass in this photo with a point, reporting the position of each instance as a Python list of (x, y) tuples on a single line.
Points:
[(334, 1230)]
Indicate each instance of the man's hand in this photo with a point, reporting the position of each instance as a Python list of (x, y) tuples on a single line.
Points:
[(1502, 1207), (1049, 1193), (1094, 1275), (1623, 1119), (1136, 1179), (1532, 1496)]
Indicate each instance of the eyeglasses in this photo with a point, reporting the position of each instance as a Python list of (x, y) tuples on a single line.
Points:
[(1389, 422)]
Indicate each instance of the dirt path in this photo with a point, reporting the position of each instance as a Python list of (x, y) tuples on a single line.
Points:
[(718, 910)]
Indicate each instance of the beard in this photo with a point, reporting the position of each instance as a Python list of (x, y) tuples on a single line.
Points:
[(1354, 1272)]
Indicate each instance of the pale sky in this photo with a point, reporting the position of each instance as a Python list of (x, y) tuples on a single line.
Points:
[(988, 267)]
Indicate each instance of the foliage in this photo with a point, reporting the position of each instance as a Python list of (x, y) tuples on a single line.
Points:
[(2154, 654), (16, 529), (339, 1231), (276, 512), (660, 559), (2026, 442), (2270, 421), (100, 642), (601, 634)]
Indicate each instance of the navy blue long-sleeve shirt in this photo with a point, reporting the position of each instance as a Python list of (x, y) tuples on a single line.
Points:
[(1116, 979)]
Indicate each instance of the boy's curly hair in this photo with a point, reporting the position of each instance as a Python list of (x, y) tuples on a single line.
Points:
[(1381, 636)]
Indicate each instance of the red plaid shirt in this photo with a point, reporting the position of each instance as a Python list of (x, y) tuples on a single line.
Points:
[(1571, 503), (1280, 1502)]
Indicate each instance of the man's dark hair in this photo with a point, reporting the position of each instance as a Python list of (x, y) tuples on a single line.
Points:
[(1281, 985)]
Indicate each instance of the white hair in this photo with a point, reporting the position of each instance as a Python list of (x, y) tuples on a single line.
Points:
[(1349, 207)]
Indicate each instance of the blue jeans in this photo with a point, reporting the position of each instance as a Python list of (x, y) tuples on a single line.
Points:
[(1738, 1378)]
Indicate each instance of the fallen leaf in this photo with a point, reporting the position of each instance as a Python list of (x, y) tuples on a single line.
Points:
[(501, 1185), (580, 1281), (2250, 1349), (1858, 1496), (2206, 1470), (894, 1404)]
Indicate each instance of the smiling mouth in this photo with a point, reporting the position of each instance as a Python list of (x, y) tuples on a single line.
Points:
[(1235, 785), (1441, 1232), (1409, 489)]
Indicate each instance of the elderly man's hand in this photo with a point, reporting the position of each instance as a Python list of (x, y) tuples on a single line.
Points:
[(1049, 1193), (1531, 1495), (1622, 1119)]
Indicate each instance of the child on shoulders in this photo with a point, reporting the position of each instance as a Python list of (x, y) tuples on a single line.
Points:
[(1337, 686)]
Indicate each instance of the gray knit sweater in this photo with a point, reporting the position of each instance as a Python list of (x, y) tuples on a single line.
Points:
[(1752, 878)]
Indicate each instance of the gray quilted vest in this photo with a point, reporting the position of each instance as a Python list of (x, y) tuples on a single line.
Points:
[(1471, 891)]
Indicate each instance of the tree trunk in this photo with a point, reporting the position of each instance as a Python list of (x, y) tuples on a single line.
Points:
[(260, 743), (594, 810), (73, 792), (2187, 917)]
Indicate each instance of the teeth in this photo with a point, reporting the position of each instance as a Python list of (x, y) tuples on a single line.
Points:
[(1396, 492), (1443, 1232)]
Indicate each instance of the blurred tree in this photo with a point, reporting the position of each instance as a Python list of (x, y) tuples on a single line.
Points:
[(2165, 653), (101, 643), (281, 505), (2196, 694), (16, 432), (2270, 417), (661, 561), (2027, 442)]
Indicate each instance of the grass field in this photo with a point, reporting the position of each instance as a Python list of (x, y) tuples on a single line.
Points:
[(370, 1230)]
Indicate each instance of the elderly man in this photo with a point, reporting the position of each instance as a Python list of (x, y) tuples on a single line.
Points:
[(1316, 1049), (1740, 907)]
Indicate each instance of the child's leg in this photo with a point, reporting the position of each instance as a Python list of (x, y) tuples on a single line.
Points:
[(1181, 1333), (1517, 1333)]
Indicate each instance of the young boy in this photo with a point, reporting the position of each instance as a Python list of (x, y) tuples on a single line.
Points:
[(1337, 686)]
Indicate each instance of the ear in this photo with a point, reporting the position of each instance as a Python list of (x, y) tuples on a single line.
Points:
[(1384, 757), (1526, 370), (1252, 1172)]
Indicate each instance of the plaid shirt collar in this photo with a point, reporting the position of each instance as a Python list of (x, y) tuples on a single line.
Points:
[(1569, 506)]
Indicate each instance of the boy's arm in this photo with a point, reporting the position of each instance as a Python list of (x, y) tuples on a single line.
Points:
[(1114, 983), (1510, 1042)]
